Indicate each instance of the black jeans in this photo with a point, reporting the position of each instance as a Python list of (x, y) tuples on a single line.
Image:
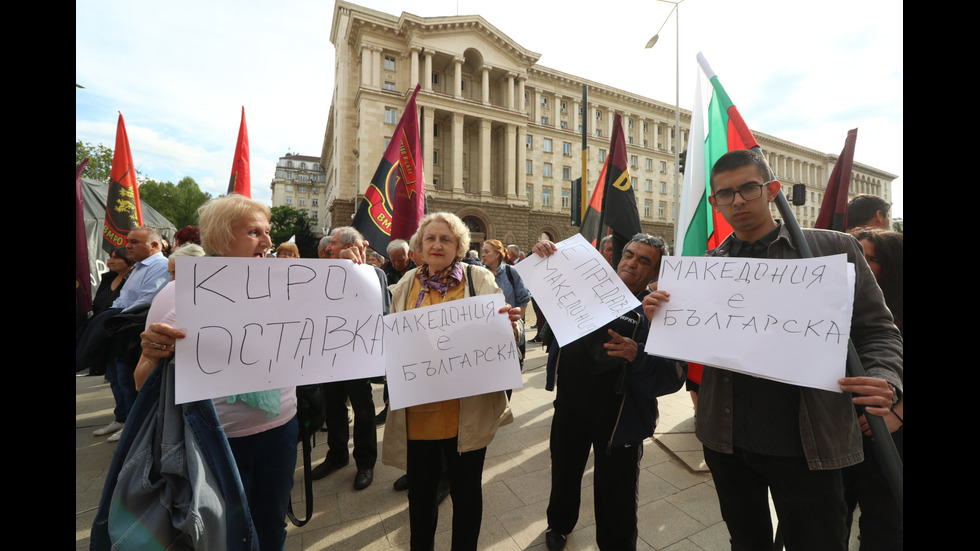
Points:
[(425, 460), (865, 484), (338, 431), (809, 504)]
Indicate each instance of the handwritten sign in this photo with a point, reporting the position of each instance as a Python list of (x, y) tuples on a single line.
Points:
[(257, 324), (576, 289), (785, 320), (451, 350)]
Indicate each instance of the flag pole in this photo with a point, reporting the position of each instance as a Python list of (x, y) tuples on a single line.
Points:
[(891, 464)]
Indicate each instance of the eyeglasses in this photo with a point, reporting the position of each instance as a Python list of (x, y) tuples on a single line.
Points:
[(749, 192)]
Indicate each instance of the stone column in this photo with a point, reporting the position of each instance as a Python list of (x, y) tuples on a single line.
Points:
[(378, 66), (521, 82), (458, 77), (485, 93), (428, 119), (457, 173), (485, 157), (516, 191), (510, 91), (536, 107), (366, 65), (511, 169), (413, 55), (427, 74)]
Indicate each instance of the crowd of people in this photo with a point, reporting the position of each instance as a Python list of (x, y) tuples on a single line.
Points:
[(803, 446)]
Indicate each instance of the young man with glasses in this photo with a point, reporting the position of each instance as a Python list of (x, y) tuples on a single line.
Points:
[(761, 435), (607, 402)]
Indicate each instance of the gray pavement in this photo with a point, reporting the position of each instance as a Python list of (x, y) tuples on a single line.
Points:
[(678, 508)]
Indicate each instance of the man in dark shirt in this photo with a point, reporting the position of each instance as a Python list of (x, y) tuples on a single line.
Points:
[(761, 435)]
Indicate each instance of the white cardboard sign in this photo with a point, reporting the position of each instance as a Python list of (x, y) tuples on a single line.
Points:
[(785, 320), (451, 350), (258, 324), (576, 289)]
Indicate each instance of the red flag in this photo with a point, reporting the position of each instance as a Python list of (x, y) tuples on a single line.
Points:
[(394, 202), (122, 206), (241, 177), (612, 209), (833, 211), (83, 286)]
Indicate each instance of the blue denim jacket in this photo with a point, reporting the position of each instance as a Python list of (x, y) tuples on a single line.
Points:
[(172, 481)]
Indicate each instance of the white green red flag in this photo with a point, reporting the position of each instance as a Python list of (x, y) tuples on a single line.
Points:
[(716, 128)]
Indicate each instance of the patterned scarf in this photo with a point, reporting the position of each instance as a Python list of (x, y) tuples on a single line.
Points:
[(442, 281)]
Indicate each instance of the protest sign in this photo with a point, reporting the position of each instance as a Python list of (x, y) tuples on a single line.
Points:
[(451, 350), (257, 324), (785, 320), (576, 289)]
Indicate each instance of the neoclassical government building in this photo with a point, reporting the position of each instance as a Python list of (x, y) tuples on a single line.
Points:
[(501, 134)]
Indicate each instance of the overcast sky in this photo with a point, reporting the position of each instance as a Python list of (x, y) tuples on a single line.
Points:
[(180, 72)]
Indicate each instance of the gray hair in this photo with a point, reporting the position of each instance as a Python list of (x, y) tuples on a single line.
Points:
[(348, 235), (323, 243), (397, 244)]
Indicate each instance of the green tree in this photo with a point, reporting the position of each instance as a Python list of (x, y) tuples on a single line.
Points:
[(100, 160), (177, 203), (286, 222)]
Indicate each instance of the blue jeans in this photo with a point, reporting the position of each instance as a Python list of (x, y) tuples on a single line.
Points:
[(266, 463)]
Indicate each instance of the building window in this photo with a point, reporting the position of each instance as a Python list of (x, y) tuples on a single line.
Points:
[(629, 123), (634, 161), (546, 198), (633, 183), (435, 78), (566, 199), (389, 63), (527, 142), (564, 107), (566, 173), (629, 140), (564, 124), (598, 132), (547, 145), (435, 156), (289, 200), (387, 141), (302, 177), (602, 155), (598, 115), (663, 187), (646, 209), (649, 187), (566, 149), (544, 101), (435, 130), (314, 214), (649, 164), (289, 187), (547, 170), (644, 126), (389, 86), (302, 189), (663, 167), (661, 209), (462, 85), (316, 202), (435, 183), (527, 191), (544, 120), (525, 97), (302, 201), (391, 115), (527, 167)]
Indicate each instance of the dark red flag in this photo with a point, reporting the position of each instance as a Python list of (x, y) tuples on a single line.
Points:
[(612, 209), (394, 202), (122, 206), (833, 211), (241, 177)]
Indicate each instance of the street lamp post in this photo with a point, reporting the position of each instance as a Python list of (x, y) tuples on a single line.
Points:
[(677, 100)]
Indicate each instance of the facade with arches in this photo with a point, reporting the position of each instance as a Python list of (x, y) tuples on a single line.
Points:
[(501, 134)]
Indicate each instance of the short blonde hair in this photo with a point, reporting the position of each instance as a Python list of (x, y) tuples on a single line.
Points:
[(498, 247), (289, 248), (217, 219), (456, 226)]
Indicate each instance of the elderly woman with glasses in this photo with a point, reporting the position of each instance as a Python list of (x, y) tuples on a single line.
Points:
[(420, 438), (607, 401)]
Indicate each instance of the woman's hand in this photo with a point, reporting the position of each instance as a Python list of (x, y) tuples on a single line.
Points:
[(514, 314), (158, 341)]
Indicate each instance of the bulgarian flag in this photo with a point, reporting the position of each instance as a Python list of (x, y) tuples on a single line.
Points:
[(714, 132)]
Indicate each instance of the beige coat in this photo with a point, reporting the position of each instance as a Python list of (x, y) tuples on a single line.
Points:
[(479, 416)]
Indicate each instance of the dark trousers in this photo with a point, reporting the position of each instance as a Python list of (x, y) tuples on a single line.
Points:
[(266, 464), (425, 463), (338, 431), (881, 523), (809, 504), (615, 484), (91, 349)]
